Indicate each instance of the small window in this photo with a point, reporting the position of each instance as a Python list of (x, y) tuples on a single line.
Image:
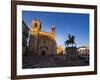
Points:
[(35, 24)]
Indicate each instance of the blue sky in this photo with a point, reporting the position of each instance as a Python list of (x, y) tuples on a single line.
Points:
[(76, 24)]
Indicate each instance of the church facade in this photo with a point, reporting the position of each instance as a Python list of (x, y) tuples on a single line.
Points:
[(41, 43)]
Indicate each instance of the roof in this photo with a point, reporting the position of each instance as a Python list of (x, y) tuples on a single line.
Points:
[(47, 34)]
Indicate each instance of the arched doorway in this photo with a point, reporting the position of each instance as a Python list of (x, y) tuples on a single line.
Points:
[(43, 53), (43, 50)]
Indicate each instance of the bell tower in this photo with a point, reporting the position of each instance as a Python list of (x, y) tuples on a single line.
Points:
[(53, 31), (35, 26)]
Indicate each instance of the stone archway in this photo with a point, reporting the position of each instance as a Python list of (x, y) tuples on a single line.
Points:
[(43, 53), (43, 50)]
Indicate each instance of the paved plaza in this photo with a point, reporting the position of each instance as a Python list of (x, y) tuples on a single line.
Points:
[(51, 61)]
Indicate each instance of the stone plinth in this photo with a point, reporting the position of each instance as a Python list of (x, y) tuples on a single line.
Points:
[(71, 53)]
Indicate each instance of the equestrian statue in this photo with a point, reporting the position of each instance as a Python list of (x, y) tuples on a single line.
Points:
[(70, 41)]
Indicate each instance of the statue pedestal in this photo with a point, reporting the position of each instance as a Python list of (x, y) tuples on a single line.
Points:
[(71, 53)]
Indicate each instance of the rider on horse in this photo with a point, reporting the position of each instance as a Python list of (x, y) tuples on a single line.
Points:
[(70, 40)]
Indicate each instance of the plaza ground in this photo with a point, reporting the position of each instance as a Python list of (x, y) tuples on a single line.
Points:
[(45, 61)]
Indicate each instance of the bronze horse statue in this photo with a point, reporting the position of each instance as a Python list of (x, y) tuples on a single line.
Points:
[(70, 41)]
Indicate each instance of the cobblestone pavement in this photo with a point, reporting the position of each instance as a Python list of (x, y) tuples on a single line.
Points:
[(50, 61)]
